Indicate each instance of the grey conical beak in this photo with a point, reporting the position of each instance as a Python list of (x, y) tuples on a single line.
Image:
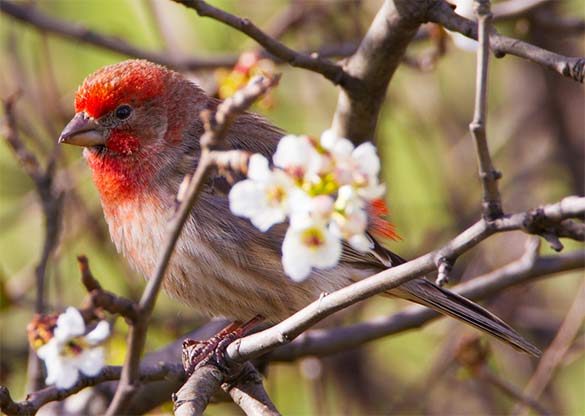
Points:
[(83, 131)]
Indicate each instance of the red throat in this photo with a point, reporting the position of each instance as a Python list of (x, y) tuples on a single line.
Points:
[(119, 178)]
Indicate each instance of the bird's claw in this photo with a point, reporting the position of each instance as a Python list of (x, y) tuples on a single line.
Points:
[(197, 353)]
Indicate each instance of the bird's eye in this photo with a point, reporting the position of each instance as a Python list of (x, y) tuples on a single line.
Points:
[(123, 112)]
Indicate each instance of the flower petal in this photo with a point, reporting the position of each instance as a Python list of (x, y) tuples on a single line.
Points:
[(91, 361), (294, 260), (258, 169), (99, 333), (70, 324)]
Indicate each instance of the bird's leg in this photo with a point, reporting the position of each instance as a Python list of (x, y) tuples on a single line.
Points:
[(197, 353)]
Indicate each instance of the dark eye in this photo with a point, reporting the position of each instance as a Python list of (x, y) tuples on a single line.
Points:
[(123, 112)]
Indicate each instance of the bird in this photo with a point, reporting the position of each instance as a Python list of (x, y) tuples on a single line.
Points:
[(140, 127)]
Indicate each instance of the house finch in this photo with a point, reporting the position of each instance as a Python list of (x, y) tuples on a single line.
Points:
[(140, 126)]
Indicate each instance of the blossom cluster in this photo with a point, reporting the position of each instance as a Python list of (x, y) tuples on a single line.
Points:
[(323, 187), (62, 343)]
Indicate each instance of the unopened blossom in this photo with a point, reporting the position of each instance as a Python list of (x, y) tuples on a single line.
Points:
[(70, 352), (264, 196)]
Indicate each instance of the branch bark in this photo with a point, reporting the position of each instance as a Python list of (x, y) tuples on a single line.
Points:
[(373, 64), (571, 67)]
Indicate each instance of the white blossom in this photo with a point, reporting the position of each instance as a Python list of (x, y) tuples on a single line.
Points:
[(69, 352), (263, 198), (297, 156), (308, 243), (323, 187), (359, 166)]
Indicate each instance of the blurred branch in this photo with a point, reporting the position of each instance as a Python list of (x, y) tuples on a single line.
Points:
[(256, 344), (571, 67), (30, 14), (473, 355), (492, 203), (34, 401), (215, 127), (513, 9), (554, 354), (51, 200), (328, 69)]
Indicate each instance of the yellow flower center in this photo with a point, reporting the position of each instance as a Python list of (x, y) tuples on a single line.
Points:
[(313, 238), (276, 195)]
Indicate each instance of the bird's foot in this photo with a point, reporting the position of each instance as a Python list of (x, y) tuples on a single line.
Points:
[(197, 353)]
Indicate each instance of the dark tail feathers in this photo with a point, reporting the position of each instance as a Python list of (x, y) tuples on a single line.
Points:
[(441, 300)]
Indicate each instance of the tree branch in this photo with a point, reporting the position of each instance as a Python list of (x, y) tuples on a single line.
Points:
[(29, 14), (37, 399), (492, 203), (328, 69), (373, 64), (571, 67), (554, 354)]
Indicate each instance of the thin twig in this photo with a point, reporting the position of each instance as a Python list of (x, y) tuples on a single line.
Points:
[(51, 200), (492, 203), (328, 69), (31, 15), (571, 67), (37, 399), (554, 354)]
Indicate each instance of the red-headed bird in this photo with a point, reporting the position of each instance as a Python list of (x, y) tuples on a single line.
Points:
[(140, 126)]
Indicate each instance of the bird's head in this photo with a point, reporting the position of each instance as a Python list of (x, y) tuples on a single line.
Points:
[(129, 117)]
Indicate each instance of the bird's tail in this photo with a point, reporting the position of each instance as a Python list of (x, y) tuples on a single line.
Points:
[(446, 302)]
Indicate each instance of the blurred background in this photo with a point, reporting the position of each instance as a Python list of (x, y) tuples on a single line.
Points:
[(536, 133)]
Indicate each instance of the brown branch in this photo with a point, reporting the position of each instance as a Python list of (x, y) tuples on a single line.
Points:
[(247, 391), (511, 391), (328, 69), (194, 396), (37, 399), (102, 299), (51, 200), (29, 14), (571, 67), (257, 344), (492, 203), (554, 354), (373, 64), (214, 128)]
